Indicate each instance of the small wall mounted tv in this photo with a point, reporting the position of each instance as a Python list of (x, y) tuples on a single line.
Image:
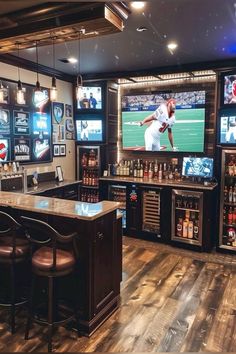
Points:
[(197, 167), (228, 88), (91, 98), (227, 126), (188, 130), (89, 130)]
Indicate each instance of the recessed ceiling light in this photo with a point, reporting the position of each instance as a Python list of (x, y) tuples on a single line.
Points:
[(70, 60), (172, 46), (137, 4), (141, 29)]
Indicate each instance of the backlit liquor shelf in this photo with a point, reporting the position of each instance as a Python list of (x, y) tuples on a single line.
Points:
[(175, 212)]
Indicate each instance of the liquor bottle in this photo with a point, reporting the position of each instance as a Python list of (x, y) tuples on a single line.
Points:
[(145, 173), (150, 171), (138, 169), (231, 166), (230, 194), (185, 224), (165, 173), (224, 215), (131, 168), (195, 228), (234, 215), (160, 172), (155, 174), (225, 194), (84, 176), (141, 169), (234, 194), (179, 227), (135, 170), (230, 216), (190, 226)]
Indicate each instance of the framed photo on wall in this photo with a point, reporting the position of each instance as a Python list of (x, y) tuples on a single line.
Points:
[(56, 150), (62, 150)]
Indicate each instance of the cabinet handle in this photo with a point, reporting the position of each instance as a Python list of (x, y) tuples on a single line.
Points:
[(100, 235)]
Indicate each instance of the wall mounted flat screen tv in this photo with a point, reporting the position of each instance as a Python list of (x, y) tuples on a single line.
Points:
[(227, 126), (228, 88), (91, 98), (89, 130), (188, 129), (197, 167)]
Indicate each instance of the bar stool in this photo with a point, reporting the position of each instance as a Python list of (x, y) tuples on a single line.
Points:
[(49, 262), (14, 250)]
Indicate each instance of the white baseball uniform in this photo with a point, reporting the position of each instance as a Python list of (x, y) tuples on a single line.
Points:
[(158, 126)]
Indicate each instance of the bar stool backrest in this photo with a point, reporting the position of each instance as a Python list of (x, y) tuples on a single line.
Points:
[(41, 233), (9, 227)]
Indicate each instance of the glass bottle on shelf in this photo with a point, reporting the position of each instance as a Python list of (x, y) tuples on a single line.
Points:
[(185, 224), (179, 227)]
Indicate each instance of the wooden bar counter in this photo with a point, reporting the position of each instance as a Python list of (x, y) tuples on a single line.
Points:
[(99, 245)]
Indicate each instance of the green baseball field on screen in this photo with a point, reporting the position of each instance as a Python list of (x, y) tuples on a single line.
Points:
[(188, 130)]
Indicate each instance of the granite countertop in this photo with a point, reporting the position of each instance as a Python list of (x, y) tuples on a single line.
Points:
[(59, 207), (162, 183), (44, 186)]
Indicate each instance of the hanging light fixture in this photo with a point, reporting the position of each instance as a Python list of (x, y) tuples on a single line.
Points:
[(1, 92), (53, 90), (20, 97), (79, 80), (37, 89)]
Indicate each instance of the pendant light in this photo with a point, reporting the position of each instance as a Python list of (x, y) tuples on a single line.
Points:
[(1, 92), (20, 97), (79, 80), (37, 89), (53, 89)]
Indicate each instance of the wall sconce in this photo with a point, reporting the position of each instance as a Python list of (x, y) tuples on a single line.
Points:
[(53, 89)]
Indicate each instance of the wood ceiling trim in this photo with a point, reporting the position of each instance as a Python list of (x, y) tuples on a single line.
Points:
[(97, 19)]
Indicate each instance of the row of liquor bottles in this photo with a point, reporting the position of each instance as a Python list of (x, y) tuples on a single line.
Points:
[(90, 178), (187, 225), (146, 169), (229, 215), (89, 196), (230, 194), (10, 167), (89, 158)]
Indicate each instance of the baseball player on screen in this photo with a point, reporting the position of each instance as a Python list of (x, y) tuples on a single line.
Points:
[(161, 119)]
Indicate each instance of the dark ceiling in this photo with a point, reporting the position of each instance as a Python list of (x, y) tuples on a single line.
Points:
[(204, 30)]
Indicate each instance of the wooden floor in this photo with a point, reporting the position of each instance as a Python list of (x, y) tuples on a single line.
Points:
[(171, 300)]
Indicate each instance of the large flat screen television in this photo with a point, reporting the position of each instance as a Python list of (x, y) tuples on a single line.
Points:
[(188, 129), (197, 167), (89, 130), (91, 98), (228, 88), (227, 126)]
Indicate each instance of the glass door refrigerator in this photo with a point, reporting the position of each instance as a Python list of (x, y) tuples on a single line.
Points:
[(117, 193), (187, 217), (227, 205), (89, 168)]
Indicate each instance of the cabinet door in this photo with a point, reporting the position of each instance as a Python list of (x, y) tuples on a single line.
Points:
[(71, 192), (187, 218), (105, 273)]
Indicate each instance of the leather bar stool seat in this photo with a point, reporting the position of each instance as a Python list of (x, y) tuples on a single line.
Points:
[(52, 260), (14, 260), (42, 260), (22, 248)]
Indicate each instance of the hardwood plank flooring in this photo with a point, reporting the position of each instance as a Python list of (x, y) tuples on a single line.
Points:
[(172, 300)]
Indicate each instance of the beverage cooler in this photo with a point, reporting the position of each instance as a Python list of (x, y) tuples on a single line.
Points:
[(187, 218), (117, 193), (227, 214), (150, 212), (89, 168)]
